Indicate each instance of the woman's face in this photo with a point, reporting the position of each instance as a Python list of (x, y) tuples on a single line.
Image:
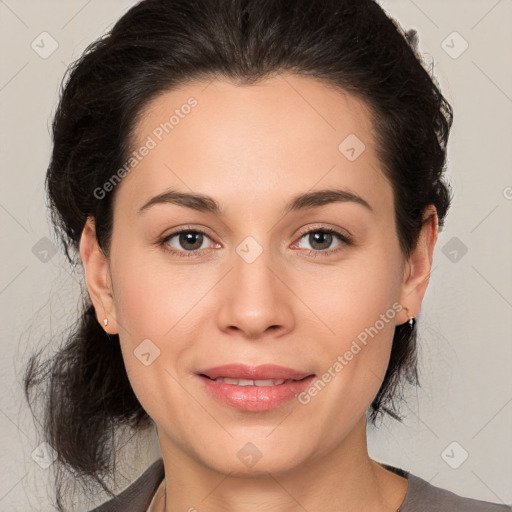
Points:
[(266, 283)]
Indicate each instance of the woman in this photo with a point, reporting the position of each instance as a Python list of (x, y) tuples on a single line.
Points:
[(254, 189)]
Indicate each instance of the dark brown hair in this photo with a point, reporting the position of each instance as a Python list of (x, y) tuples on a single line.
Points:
[(159, 44)]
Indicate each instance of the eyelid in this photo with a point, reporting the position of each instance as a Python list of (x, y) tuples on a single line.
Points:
[(187, 229), (343, 233)]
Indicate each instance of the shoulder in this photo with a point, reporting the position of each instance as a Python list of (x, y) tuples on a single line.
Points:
[(138, 495), (424, 497)]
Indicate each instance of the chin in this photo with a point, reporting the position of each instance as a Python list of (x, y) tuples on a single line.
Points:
[(248, 459)]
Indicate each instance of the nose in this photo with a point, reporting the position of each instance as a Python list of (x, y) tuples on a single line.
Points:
[(254, 299)]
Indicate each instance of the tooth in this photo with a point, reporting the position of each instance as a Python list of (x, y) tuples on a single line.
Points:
[(227, 380), (236, 382), (250, 382), (262, 382), (268, 382), (245, 382)]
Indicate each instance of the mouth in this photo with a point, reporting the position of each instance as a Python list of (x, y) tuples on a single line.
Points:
[(250, 382), (255, 389)]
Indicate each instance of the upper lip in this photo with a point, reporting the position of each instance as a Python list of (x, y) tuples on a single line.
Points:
[(261, 372)]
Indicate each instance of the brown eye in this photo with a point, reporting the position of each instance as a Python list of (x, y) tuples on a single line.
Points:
[(185, 242), (321, 240), (190, 240)]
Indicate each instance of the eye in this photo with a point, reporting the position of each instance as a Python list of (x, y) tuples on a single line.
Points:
[(321, 240), (186, 242), (190, 242)]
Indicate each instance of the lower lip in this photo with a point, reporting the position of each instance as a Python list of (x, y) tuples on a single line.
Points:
[(255, 398)]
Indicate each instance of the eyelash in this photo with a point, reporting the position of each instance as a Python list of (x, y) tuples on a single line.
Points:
[(346, 240)]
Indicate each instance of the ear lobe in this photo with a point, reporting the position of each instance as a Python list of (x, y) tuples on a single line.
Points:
[(97, 276), (418, 267)]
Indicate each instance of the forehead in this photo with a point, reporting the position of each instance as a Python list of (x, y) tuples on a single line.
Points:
[(244, 143)]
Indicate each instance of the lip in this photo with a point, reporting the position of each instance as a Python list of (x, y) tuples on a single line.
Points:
[(254, 398)]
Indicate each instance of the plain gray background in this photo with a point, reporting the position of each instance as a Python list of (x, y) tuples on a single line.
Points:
[(458, 429)]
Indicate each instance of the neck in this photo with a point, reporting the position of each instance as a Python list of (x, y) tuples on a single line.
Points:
[(344, 479)]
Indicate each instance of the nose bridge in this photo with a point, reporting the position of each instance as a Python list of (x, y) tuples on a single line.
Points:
[(253, 298)]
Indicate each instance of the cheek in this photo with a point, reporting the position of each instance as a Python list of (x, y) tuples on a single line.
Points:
[(153, 300), (158, 309), (151, 317), (358, 305), (356, 295)]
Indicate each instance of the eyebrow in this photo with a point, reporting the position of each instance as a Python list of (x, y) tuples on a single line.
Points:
[(207, 204)]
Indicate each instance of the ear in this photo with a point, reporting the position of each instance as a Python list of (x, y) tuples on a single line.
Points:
[(97, 276), (418, 267)]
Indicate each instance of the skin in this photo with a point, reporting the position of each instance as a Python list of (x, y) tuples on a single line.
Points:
[(253, 148)]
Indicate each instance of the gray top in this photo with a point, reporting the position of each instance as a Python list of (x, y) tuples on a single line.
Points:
[(420, 497)]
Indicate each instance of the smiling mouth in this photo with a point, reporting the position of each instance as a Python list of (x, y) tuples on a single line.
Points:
[(254, 395), (251, 382)]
